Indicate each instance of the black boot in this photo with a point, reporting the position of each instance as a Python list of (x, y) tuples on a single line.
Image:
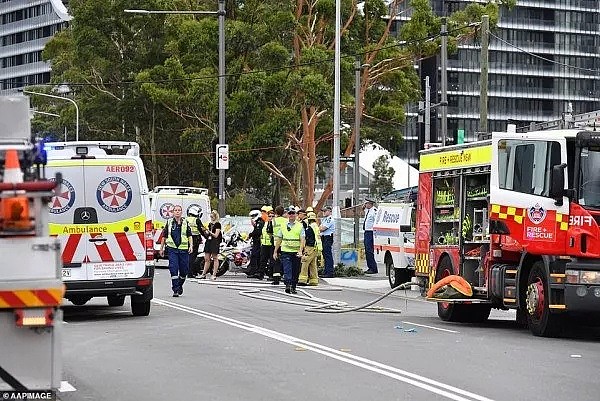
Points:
[(294, 290), (275, 280), (288, 289)]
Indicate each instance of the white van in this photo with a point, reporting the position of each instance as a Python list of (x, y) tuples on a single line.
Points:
[(101, 214), (164, 198), (394, 240)]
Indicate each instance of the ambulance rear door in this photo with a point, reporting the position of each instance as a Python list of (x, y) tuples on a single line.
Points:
[(117, 211), (69, 201)]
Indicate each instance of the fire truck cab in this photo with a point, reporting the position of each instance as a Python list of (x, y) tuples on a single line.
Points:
[(516, 215)]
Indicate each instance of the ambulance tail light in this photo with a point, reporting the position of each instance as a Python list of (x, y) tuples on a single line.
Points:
[(144, 282), (34, 317), (149, 240)]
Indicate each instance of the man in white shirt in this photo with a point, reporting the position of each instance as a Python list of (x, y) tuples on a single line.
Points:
[(370, 213)]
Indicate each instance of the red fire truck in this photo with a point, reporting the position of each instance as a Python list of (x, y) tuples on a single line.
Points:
[(517, 216)]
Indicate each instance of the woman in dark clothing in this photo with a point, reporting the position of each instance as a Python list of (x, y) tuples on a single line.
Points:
[(211, 247)]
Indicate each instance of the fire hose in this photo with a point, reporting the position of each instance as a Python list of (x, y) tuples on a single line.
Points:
[(312, 303)]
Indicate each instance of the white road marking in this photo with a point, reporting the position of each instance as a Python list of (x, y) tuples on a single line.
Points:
[(439, 388), (66, 387), (432, 327)]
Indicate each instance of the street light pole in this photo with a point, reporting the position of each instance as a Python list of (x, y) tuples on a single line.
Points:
[(221, 14), (63, 98), (356, 186), (336, 135)]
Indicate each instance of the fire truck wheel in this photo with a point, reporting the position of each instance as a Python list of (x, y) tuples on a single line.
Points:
[(116, 300), (448, 312), (540, 320), (79, 300)]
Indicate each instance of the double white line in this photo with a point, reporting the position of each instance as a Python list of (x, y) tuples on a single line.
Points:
[(419, 381)]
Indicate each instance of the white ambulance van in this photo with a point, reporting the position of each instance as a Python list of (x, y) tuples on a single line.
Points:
[(394, 240), (101, 214), (164, 198)]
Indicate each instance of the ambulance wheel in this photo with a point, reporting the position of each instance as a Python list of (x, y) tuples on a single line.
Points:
[(79, 300), (116, 300), (448, 312), (140, 308), (140, 304), (540, 320)]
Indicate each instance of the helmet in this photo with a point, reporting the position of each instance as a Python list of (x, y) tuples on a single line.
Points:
[(193, 211), (254, 214), (311, 216)]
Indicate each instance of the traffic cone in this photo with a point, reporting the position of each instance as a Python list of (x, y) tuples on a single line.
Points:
[(12, 168), (15, 210)]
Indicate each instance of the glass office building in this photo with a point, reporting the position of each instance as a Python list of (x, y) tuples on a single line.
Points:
[(544, 60), (25, 28)]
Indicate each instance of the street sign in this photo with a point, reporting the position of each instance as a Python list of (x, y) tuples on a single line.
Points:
[(222, 152), (346, 158)]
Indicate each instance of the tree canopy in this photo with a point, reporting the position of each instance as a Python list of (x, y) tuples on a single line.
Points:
[(154, 79)]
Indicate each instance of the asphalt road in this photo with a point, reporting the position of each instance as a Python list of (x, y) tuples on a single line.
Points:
[(215, 344)]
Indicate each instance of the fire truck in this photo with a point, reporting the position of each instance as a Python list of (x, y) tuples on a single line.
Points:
[(31, 288), (517, 216)]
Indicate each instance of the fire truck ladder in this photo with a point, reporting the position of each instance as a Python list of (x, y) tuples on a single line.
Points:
[(568, 120)]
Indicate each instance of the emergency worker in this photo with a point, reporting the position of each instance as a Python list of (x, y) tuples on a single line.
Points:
[(177, 237), (257, 224), (370, 213), (194, 214), (278, 221), (312, 247), (267, 246), (327, 228), (290, 240)]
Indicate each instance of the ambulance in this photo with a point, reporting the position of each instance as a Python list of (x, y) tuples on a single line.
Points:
[(394, 240), (100, 212), (164, 198)]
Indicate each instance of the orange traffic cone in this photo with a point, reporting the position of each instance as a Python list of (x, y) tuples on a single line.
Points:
[(15, 210)]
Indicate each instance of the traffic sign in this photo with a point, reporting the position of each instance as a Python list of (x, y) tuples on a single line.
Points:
[(346, 158), (222, 152)]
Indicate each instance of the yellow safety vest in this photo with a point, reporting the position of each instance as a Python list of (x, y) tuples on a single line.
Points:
[(315, 228), (266, 238), (184, 239), (279, 223), (290, 241), (193, 226)]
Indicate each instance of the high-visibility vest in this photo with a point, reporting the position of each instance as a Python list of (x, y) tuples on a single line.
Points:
[(184, 239), (193, 226), (315, 228), (290, 241), (279, 223), (267, 238)]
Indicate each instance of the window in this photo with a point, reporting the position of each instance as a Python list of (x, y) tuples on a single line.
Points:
[(524, 165)]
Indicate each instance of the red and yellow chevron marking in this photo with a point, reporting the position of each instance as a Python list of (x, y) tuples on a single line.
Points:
[(31, 298), (563, 221), (506, 212)]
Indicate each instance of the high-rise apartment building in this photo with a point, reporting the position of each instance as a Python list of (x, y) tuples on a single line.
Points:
[(544, 60), (25, 28)]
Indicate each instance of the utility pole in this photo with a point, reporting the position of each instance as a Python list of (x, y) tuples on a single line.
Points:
[(221, 14), (427, 110), (356, 186), (444, 73), (483, 79)]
